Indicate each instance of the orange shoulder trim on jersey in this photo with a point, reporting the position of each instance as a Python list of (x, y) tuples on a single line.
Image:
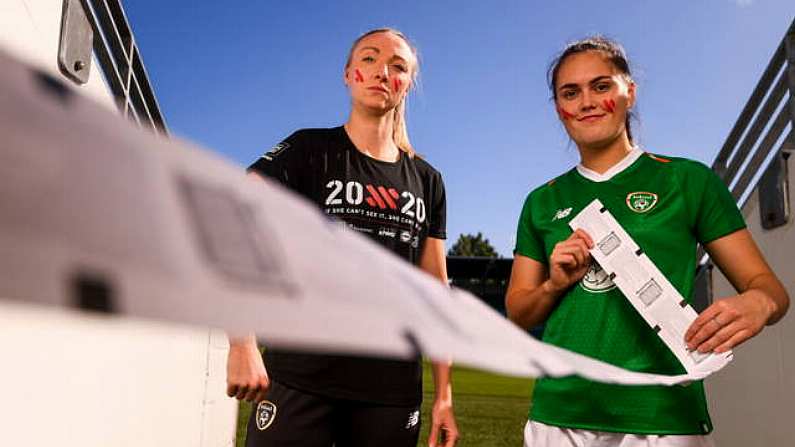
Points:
[(656, 158)]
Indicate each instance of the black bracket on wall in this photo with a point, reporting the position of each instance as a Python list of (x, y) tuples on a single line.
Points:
[(77, 42), (774, 209), (702, 288)]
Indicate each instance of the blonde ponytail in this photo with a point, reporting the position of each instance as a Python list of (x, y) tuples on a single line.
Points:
[(400, 134)]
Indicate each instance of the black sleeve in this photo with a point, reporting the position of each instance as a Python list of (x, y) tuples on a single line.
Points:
[(282, 162), (437, 215)]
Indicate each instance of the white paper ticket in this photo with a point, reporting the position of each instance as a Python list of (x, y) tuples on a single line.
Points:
[(642, 283)]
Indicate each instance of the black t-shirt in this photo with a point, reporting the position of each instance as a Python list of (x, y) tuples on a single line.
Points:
[(397, 204)]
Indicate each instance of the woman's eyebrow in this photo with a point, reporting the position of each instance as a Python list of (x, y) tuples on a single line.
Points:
[(599, 78), (569, 85), (591, 82)]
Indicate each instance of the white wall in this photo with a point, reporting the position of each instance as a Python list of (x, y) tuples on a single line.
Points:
[(31, 31), (751, 400), (72, 379)]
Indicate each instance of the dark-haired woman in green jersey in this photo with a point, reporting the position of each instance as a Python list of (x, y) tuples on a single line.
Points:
[(668, 205)]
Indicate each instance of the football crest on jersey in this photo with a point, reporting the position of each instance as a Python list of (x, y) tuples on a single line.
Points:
[(597, 280), (266, 413), (641, 201)]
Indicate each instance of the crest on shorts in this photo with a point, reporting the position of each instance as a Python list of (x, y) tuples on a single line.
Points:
[(641, 201), (414, 419), (266, 413), (597, 280)]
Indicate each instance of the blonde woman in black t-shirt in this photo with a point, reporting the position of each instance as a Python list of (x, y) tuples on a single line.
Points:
[(366, 174)]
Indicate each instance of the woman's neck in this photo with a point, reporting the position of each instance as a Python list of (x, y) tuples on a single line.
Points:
[(601, 158), (372, 135)]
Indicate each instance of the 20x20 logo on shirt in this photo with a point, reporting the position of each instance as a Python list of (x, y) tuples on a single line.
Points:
[(380, 197)]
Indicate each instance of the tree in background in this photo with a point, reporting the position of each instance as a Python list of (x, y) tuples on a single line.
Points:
[(473, 245)]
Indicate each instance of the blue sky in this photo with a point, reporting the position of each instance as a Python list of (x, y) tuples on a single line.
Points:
[(237, 77)]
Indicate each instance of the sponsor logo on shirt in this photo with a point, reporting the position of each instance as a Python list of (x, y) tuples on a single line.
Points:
[(597, 280), (266, 413), (388, 232), (405, 236), (562, 214), (641, 201), (360, 229)]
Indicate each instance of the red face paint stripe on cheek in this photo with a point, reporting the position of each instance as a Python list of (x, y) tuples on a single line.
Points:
[(396, 84), (610, 105), (564, 114), (358, 75)]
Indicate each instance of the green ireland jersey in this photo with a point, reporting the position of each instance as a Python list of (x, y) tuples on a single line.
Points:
[(668, 206)]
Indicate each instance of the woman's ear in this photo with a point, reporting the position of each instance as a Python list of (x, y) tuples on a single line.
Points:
[(631, 91)]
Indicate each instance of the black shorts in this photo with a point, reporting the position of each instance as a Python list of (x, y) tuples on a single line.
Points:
[(292, 418)]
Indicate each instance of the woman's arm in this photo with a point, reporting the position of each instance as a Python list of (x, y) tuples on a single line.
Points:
[(246, 377), (253, 175), (443, 425), (533, 289), (529, 298), (761, 297)]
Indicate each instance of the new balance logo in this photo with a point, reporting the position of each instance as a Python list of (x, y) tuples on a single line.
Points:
[(276, 150), (562, 214)]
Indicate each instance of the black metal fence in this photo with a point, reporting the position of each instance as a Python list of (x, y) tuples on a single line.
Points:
[(101, 27), (754, 156)]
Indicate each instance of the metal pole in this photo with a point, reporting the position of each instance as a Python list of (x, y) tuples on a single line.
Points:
[(789, 46)]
